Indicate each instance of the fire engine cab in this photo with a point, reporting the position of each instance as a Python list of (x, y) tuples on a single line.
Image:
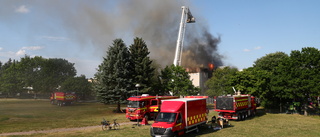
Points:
[(144, 106)]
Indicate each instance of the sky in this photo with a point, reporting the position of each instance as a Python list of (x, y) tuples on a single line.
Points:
[(232, 32)]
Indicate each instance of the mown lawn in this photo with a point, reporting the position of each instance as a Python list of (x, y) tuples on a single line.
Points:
[(18, 115), (25, 115)]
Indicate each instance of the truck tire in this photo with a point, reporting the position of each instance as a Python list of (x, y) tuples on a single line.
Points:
[(175, 134), (243, 116), (197, 130), (239, 117), (60, 103)]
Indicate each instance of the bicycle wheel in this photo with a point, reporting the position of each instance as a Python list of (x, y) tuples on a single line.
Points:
[(105, 127), (116, 126)]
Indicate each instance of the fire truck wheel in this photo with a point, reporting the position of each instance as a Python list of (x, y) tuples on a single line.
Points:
[(197, 130), (175, 134), (246, 115), (243, 116), (60, 104), (239, 116)]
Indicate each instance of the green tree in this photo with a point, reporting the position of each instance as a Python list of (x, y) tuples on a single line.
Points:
[(301, 71), (114, 76), (272, 93), (52, 73), (11, 82), (143, 69), (176, 80), (44, 75), (80, 85), (219, 83), (252, 81), (270, 62)]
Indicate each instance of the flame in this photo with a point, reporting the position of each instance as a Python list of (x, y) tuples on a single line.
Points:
[(211, 66)]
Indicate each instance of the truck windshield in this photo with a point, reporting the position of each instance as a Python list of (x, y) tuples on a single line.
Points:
[(166, 117), (133, 104)]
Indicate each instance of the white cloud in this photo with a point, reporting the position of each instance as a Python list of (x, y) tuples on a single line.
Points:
[(33, 48), (21, 52), (246, 50), (54, 38), (257, 48), (22, 9)]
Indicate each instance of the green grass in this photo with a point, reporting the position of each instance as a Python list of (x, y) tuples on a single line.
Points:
[(26, 115)]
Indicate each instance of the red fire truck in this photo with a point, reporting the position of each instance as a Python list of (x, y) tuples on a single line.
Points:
[(180, 116), (144, 106), (237, 107), (63, 98)]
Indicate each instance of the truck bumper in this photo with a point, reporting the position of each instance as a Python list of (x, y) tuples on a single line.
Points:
[(133, 117), (161, 132)]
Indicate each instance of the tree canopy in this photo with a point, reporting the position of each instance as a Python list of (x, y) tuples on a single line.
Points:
[(176, 80), (114, 77), (276, 78), (143, 71), (219, 83), (79, 85), (43, 75)]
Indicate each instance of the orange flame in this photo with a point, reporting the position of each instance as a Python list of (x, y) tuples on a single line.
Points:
[(211, 66)]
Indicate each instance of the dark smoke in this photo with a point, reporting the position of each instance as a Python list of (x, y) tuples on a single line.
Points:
[(97, 23), (201, 51)]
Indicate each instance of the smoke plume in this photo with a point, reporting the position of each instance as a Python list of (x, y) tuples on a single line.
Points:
[(98, 23)]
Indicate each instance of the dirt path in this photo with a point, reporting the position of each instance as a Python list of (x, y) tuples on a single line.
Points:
[(56, 130)]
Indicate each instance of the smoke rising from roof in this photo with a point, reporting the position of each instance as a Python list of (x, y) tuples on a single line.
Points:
[(97, 23)]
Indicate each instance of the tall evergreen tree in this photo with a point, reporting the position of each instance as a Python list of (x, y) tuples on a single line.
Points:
[(143, 69), (114, 80)]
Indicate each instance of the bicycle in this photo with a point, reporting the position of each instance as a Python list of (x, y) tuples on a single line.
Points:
[(106, 125)]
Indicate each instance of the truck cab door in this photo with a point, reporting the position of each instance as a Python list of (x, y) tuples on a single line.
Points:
[(180, 124)]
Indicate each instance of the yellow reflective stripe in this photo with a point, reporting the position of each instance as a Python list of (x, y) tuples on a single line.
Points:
[(196, 118), (178, 125), (238, 100), (240, 104), (59, 96), (142, 108)]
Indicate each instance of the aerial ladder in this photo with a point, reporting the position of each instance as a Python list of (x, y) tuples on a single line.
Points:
[(186, 17)]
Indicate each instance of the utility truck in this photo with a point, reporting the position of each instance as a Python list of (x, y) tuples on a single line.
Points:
[(63, 98), (236, 107), (143, 106), (180, 116)]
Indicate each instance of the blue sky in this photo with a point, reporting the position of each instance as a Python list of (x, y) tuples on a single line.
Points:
[(80, 31)]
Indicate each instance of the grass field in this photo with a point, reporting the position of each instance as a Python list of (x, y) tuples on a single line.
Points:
[(26, 115)]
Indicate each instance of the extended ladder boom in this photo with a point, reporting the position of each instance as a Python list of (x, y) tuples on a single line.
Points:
[(186, 17)]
